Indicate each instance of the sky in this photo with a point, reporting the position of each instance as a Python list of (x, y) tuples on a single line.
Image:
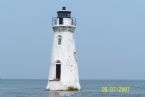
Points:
[(110, 38)]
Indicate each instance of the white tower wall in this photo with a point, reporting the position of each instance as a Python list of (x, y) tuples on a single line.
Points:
[(64, 55)]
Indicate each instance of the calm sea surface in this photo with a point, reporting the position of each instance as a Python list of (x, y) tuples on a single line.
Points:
[(90, 88)]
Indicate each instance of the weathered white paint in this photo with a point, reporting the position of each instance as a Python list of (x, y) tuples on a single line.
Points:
[(66, 53)]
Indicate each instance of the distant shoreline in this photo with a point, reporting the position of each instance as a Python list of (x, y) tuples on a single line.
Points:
[(81, 79)]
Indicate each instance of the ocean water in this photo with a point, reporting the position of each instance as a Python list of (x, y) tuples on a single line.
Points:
[(90, 88)]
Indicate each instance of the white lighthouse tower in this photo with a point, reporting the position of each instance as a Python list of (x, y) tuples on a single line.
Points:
[(63, 73)]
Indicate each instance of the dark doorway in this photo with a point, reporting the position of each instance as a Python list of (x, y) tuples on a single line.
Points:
[(60, 21), (58, 71)]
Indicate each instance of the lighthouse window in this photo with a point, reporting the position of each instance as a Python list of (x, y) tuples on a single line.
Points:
[(59, 39), (75, 56), (60, 21)]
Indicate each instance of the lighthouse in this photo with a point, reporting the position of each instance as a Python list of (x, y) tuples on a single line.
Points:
[(63, 71)]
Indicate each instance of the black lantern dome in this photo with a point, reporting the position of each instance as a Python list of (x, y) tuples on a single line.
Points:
[(64, 13)]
